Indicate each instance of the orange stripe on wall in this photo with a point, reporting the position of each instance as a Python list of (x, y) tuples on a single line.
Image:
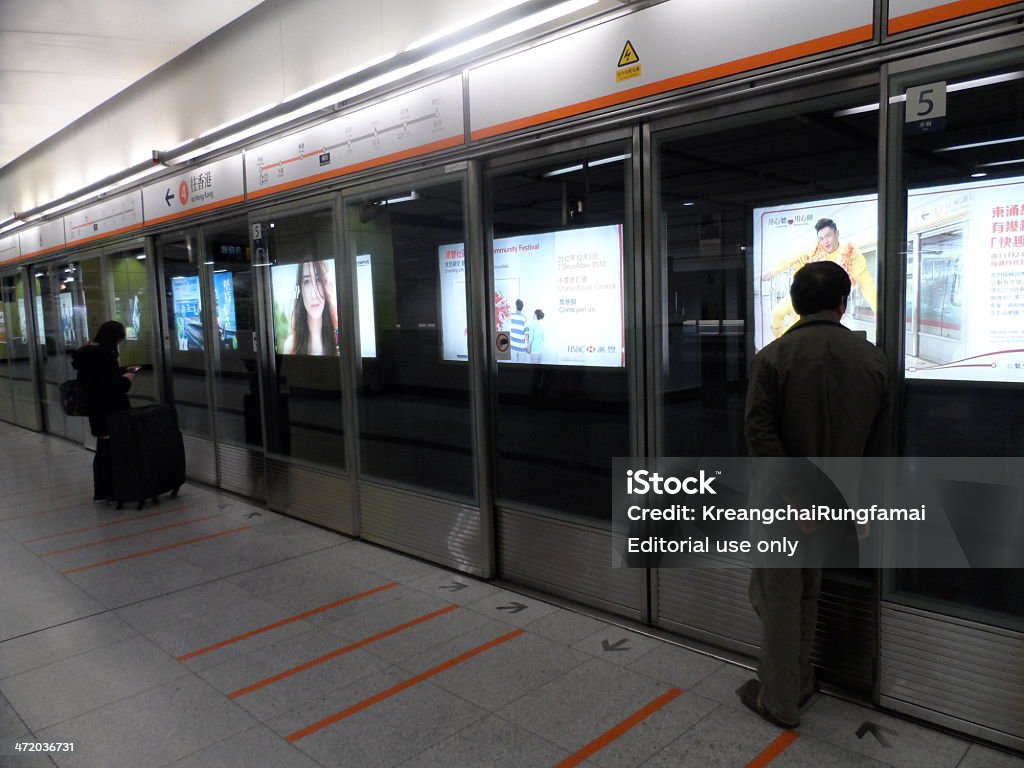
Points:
[(819, 45), (196, 210), (25, 256), (111, 233), (405, 154), (945, 12)]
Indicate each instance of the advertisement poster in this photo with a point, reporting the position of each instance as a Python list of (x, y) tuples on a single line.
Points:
[(557, 298), (224, 292), (364, 288), (188, 313), (965, 282), (786, 237), (305, 308)]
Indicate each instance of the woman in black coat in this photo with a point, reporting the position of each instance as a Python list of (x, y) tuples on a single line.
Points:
[(106, 387)]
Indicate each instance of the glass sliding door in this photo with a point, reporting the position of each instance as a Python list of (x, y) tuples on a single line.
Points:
[(185, 366), (743, 203), (414, 406), (958, 204), (407, 273), (562, 271), (7, 320), (129, 280), (20, 343), (305, 393)]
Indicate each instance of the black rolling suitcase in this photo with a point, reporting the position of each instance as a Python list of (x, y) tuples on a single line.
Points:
[(147, 453)]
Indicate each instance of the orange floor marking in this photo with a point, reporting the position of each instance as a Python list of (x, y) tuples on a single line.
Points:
[(158, 549), (774, 749), (128, 536), (283, 622), (105, 525), (615, 732), (340, 652), (309, 730)]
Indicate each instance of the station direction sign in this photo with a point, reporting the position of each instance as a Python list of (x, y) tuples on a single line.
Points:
[(43, 238), (194, 191), (106, 219), (425, 120), (10, 249)]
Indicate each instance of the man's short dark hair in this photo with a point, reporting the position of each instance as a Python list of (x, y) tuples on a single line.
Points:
[(819, 286), (519, 305), (822, 223)]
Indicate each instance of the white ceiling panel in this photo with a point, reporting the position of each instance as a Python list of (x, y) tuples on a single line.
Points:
[(61, 58)]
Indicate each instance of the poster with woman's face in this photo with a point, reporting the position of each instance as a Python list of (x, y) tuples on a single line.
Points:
[(305, 308)]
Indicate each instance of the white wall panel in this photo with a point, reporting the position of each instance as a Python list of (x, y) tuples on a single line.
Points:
[(281, 47), (346, 34)]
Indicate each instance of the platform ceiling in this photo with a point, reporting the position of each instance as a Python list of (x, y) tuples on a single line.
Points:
[(61, 58)]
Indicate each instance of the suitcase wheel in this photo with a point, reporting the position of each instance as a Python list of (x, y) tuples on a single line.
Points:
[(141, 504), (120, 504), (174, 493)]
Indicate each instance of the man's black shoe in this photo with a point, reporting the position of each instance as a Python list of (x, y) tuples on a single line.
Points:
[(750, 695)]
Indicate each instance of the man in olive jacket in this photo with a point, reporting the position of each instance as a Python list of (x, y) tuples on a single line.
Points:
[(819, 390)]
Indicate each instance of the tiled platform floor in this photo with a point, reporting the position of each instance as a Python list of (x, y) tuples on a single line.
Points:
[(210, 633)]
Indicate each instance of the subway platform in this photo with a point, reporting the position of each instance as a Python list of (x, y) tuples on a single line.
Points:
[(208, 632)]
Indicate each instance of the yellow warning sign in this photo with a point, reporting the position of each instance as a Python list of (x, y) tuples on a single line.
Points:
[(629, 55), (629, 64)]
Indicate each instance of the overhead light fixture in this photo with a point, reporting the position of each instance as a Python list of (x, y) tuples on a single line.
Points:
[(141, 257), (976, 144), (964, 86), (413, 195), (997, 163), (978, 175), (586, 163)]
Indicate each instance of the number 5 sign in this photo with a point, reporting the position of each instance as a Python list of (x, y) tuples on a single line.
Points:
[(926, 108)]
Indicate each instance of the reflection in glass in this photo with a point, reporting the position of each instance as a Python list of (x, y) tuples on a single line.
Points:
[(563, 416), (964, 330), (7, 318), (415, 424), (186, 363), (131, 308), (306, 416), (739, 217)]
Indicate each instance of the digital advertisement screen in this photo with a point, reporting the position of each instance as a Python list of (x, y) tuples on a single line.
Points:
[(557, 298), (364, 288), (224, 293), (188, 313), (965, 282), (305, 308), (964, 318), (843, 230)]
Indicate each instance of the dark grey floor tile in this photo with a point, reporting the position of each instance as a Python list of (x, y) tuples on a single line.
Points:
[(151, 729), (906, 744), (491, 742), (676, 666), (61, 642), (256, 747), (68, 688), (499, 675)]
